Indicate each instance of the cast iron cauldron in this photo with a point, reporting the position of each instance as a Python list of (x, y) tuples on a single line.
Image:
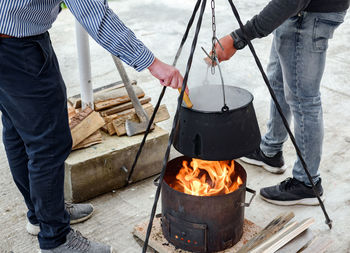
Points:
[(208, 133)]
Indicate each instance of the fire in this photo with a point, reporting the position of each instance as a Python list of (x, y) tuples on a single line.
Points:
[(207, 178)]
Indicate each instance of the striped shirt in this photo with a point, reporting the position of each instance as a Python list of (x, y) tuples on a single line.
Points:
[(22, 18)]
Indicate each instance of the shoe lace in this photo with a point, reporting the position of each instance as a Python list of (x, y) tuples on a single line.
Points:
[(78, 242), (287, 184), (69, 207)]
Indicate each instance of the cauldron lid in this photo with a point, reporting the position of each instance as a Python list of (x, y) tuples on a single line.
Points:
[(209, 98)]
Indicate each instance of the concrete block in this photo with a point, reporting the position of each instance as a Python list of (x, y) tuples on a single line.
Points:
[(96, 170)]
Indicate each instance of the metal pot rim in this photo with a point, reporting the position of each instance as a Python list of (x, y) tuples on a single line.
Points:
[(251, 99)]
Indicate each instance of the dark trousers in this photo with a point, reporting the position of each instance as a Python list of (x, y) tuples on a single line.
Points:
[(36, 133)]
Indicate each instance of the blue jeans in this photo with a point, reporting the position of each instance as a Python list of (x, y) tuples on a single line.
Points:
[(36, 133), (295, 70)]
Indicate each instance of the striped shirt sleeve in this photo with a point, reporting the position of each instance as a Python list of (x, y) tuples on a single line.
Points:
[(109, 31)]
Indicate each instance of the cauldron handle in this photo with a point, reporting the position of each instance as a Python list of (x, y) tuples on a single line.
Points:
[(251, 199)]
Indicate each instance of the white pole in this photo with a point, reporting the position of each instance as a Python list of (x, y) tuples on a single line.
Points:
[(87, 98)]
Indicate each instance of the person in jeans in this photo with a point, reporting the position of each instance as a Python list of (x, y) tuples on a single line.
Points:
[(33, 103), (302, 30)]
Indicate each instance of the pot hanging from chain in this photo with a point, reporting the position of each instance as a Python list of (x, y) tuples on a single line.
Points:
[(207, 132)]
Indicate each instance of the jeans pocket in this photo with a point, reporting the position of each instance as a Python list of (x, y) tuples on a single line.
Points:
[(323, 31), (36, 58)]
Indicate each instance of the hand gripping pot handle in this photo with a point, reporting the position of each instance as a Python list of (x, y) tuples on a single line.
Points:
[(251, 199)]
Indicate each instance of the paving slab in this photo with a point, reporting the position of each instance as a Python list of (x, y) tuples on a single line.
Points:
[(160, 24)]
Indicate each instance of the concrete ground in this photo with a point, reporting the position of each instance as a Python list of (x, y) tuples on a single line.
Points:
[(160, 24)]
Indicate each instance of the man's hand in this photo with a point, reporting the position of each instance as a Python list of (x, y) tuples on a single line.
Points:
[(227, 53), (167, 75)]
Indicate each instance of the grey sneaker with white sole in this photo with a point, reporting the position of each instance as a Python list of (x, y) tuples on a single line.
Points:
[(76, 243), (273, 164), (78, 213)]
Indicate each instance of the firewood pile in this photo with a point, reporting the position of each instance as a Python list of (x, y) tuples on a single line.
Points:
[(112, 107)]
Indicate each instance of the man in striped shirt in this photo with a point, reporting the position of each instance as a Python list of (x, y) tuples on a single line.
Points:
[(33, 103)]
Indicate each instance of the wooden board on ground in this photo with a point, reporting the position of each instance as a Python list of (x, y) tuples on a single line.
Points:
[(319, 245), (284, 236), (272, 228), (297, 243), (158, 242), (119, 123), (85, 124)]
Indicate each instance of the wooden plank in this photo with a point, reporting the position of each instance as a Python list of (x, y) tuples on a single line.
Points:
[(86, 127), (119, 123), (273, 227), (116, 97), (298, 243), (123, 107), (93, 139), (158, 242), (284, 236), (318, 245)]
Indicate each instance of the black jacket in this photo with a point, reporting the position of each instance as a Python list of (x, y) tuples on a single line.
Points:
[(277, 11)]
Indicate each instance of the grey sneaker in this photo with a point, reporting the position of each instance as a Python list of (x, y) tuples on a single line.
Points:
[(78, 213), (76, 243)]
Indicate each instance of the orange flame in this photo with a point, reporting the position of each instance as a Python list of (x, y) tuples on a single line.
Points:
[(207, 178)]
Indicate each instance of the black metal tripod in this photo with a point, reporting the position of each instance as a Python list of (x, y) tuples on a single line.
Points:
[(202, 5)]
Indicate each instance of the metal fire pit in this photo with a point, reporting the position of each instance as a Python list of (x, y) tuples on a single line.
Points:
[(201, 223)]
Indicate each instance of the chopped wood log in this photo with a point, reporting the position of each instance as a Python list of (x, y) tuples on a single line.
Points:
[(71, 111), (284, 236), (119, 123), (76, 100), (110, 128), (125, 113), (123, 107), (93, 139), (85, 126), (104, 129), (273, 227), (116, 97), (79, 117)]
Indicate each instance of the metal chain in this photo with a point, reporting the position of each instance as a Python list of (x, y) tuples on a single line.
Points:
[(214, 56)]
